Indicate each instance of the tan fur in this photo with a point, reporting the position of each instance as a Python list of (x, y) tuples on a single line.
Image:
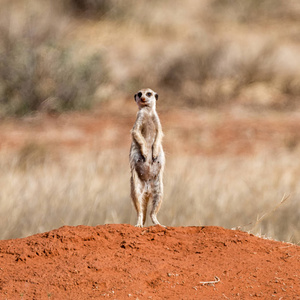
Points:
[(147, 159)]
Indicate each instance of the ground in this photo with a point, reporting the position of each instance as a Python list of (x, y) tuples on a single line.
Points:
[(121, 261), (192, 132)]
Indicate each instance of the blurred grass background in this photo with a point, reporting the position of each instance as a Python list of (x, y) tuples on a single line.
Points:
[(208, 56)]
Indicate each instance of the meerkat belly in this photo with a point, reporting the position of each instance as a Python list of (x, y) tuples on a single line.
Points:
[(157, 164), (143, 170), (149, 132), (149, 170)]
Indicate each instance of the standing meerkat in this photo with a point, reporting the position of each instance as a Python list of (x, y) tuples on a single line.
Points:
[(147, 158)]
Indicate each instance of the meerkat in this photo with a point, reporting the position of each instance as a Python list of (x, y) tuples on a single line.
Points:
[(147, 158)]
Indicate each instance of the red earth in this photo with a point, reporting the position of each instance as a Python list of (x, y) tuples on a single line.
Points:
[(124, 262), (186, 131)]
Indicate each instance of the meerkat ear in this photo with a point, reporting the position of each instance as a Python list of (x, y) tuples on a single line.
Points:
[(135, 97), (156, 97)]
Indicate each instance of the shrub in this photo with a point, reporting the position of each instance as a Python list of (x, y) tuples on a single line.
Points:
[(98, 9), (37, 71), (90, 8)]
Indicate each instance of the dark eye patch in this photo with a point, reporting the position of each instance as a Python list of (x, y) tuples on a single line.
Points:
[(140, 94), (149, 94)]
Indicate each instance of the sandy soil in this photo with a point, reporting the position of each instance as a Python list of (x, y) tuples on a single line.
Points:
[(125, 262)]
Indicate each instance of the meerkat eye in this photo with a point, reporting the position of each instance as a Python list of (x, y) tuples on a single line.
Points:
[(149, 94), (139, 94)]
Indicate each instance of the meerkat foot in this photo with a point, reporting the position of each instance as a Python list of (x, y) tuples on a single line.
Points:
[(158, 224), (155, 221), (140, 220)]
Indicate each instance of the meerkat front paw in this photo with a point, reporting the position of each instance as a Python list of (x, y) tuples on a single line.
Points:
[(144, 154), (155, 153), (141, 159)]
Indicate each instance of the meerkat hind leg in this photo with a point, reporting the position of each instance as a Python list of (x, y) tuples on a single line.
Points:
[(140, 199), (144, 207), (156, 201), (142, 211), (136, 193)]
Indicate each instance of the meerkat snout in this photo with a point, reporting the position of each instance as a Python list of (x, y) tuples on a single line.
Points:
[(146, 97)]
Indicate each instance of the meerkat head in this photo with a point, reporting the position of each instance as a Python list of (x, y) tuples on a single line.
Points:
[(146, 98)]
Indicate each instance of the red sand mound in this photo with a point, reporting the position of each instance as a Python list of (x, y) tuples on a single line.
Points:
[(124, 262)]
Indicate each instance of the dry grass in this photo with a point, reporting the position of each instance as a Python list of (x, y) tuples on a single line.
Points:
[(40, 191)]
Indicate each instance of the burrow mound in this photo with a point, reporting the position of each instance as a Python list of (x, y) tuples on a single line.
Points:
[(125, 262)]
